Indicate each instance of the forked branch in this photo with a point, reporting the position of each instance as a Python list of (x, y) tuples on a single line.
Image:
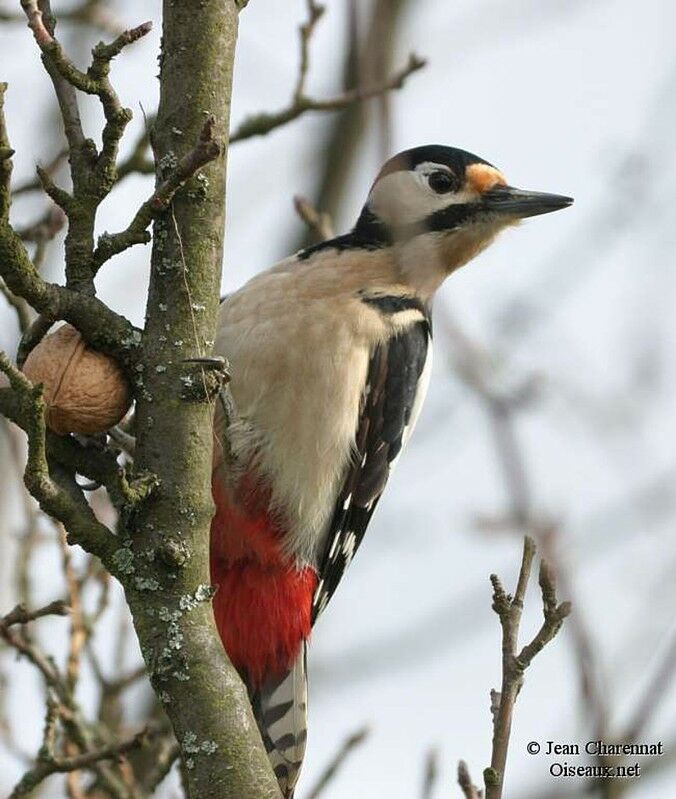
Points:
[(514, 661)]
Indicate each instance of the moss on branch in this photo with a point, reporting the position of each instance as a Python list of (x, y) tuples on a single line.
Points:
[(206, 150), (104, 329)]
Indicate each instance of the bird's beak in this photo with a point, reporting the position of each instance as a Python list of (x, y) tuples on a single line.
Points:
[(518, 203)]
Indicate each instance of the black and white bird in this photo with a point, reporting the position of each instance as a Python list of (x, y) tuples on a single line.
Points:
[(330, 355)]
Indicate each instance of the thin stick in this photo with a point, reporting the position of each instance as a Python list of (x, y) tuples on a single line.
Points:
[(515, 662), (347, 747)]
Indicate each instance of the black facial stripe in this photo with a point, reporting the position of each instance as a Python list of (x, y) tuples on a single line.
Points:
[(451, 217), (371, 233)]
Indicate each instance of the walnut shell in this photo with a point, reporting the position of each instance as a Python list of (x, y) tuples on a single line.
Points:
[(84, 390)]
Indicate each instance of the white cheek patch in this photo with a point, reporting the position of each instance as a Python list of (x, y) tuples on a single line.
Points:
[(404, 197)]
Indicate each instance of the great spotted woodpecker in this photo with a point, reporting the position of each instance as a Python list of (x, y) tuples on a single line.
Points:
[(330, 356)]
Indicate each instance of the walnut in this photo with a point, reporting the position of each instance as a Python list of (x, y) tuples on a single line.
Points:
[(84, 390)]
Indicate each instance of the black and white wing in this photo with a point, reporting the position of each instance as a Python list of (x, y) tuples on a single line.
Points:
[(395, 387)]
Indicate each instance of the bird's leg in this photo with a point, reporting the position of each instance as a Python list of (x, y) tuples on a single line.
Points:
[(213, 377), (227, 410)]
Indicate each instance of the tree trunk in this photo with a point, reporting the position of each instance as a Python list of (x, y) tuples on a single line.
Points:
[(167, 554)]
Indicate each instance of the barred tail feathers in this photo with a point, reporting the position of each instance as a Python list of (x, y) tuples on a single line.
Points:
[(280, 709)]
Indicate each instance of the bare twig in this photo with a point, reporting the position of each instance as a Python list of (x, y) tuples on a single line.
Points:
[(65, 93), (348, 745), (23, 311), (49, 764), (320, 223), (45, 228), (315, 13), (36, 22), (430, 773), (20, 641), (21, 615), (264, 123), (206, 150), (6, 154), (468, 788), (102, 327), (651, 699), (78, 632), (515, 662), (35, 184), (554, 614), (93, 174), (68, 711)]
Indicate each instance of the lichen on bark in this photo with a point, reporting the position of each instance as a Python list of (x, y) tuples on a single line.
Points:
[(169, 596)]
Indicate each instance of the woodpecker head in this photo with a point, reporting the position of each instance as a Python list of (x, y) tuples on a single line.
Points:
[(441, 206)]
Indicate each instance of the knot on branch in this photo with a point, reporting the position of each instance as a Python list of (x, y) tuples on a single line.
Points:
[(138, 489), (491, 778), (174, 552)]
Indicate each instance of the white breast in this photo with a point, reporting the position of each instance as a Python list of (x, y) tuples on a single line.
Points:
[(298, 341)]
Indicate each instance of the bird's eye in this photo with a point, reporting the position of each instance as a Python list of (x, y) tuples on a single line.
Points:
[(441, 182)]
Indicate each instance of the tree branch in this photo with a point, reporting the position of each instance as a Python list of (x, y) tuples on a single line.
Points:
[(101, 327), (468, 788), (93, 174), (169, 594), (23, 311), (347, 747), (300, 104), (34, 184), (49, 764), (6, 154), (514, 663), (206, 150), (319, 222), (23, 404), (104, 329), (430, 774), (21, 615)]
